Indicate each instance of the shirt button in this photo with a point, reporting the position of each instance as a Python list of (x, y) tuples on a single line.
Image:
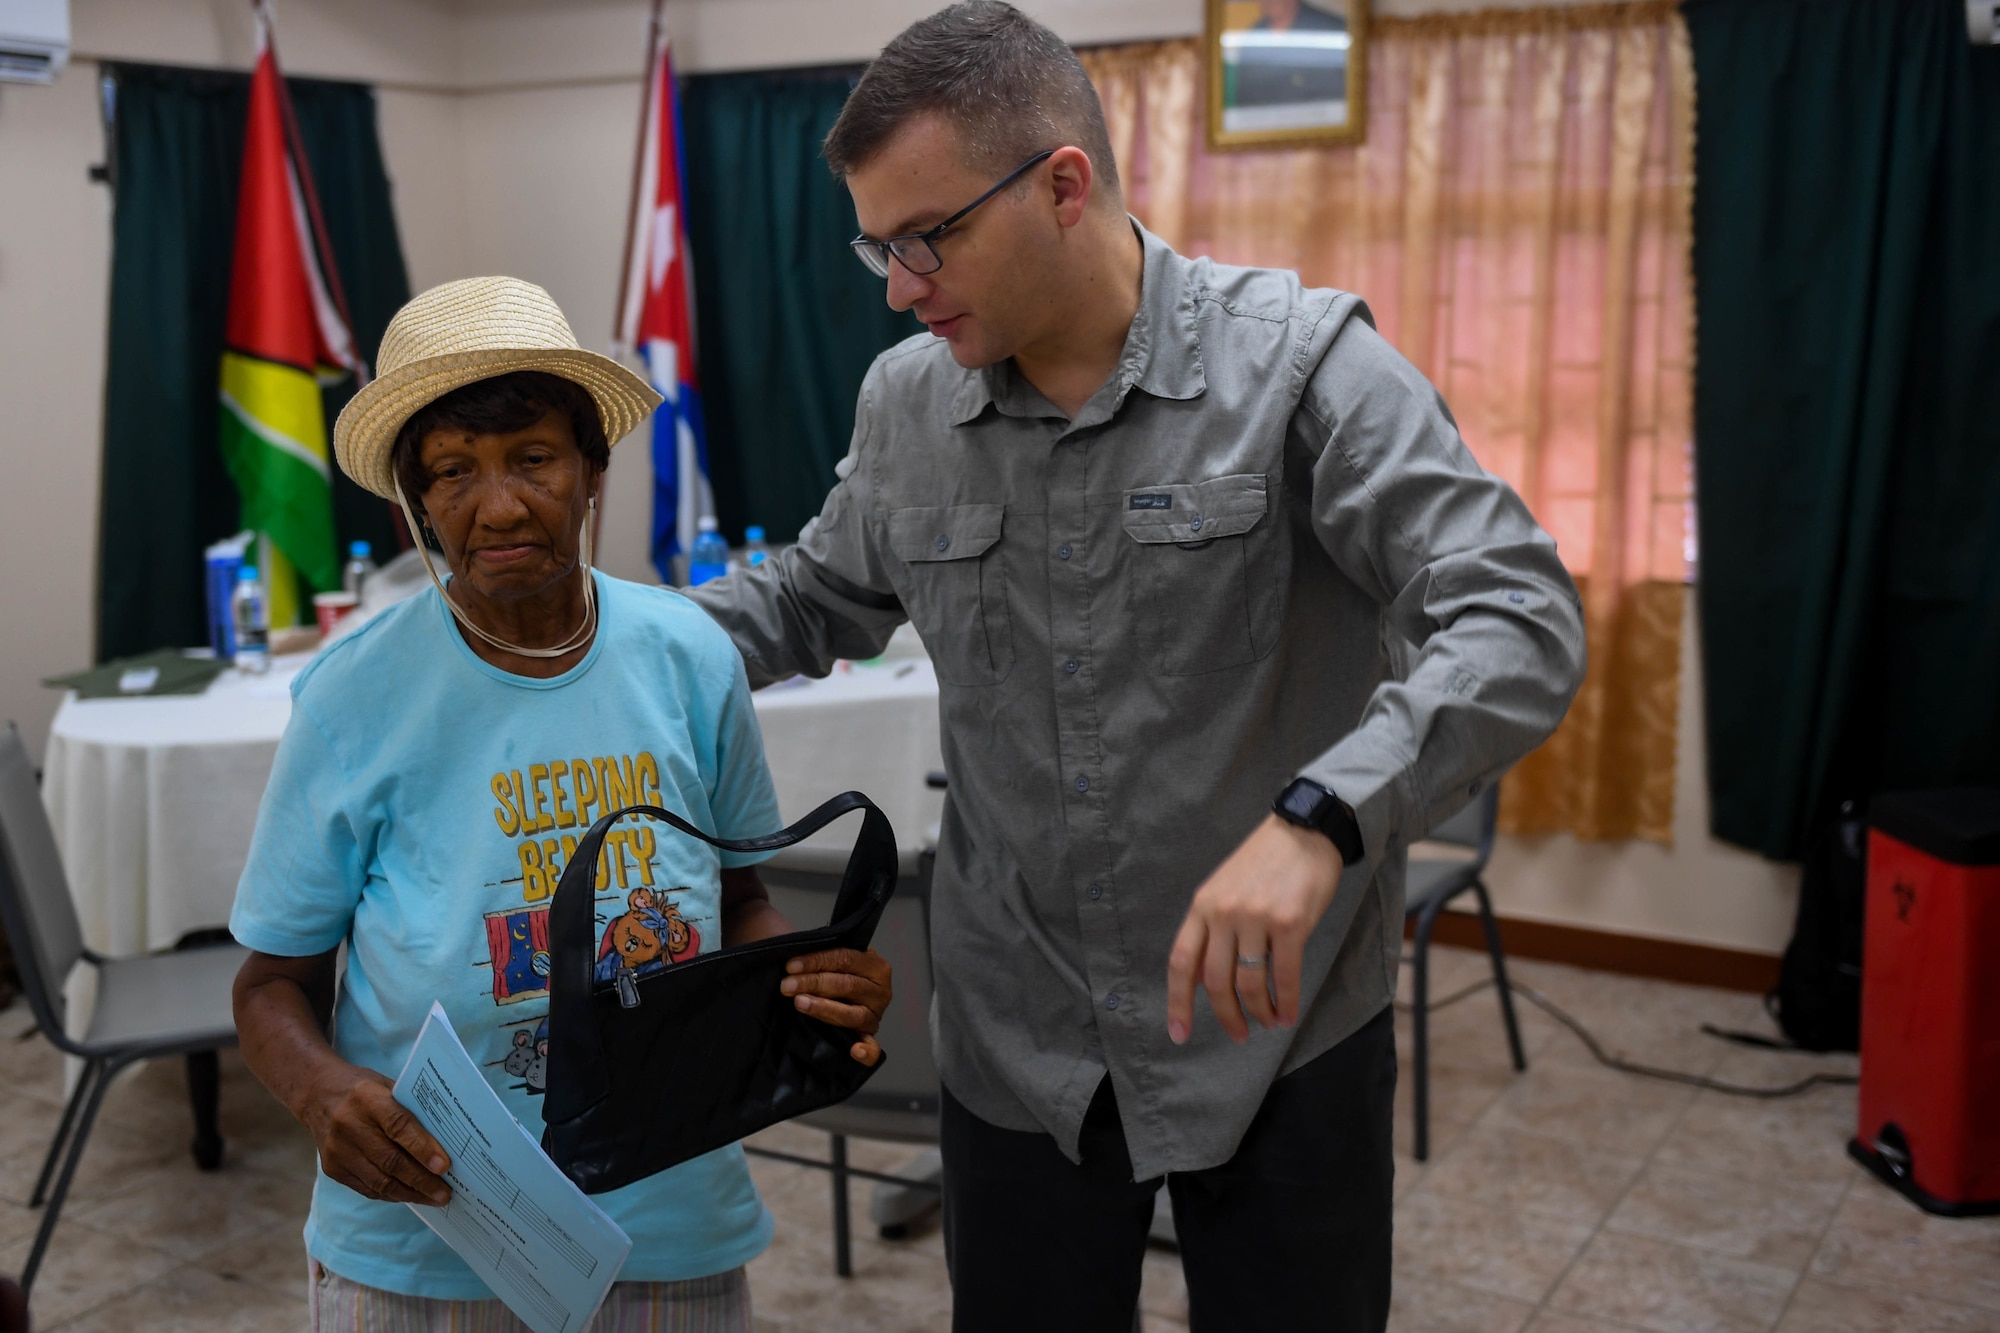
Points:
[(1095, 891), (1082, 783), (1516, 597), (1062, 553), (1111, 1000), (943, 541), (1071, 666), (1195, 523)]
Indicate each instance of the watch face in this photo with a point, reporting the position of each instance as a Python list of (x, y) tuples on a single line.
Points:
[(1302, 802)]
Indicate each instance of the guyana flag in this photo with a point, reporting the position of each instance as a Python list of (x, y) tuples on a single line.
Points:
[(287, 334)]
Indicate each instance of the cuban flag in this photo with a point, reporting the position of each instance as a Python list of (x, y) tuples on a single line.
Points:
[(656, 320)]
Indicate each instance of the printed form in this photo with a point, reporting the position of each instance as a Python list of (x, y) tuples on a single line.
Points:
[(532, 1236)]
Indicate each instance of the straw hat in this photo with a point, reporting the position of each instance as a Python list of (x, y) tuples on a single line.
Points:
[(473, 329)]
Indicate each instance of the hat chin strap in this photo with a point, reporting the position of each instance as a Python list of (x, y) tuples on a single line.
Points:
[(569, 645)]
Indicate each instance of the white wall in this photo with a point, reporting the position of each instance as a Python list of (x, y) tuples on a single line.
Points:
[(423, 140), (508, 128), (547, 182), (512, 42), (389, 41), (55, 271)]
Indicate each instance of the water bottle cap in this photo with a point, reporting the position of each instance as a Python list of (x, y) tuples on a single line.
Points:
[(753, 533), (707, 523), (360, 550)]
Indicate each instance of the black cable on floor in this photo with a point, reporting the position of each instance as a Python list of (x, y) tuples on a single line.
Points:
[(1757, 1039), (1609, 1061)]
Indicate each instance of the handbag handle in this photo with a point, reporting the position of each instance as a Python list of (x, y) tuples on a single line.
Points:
[(586, 1076)]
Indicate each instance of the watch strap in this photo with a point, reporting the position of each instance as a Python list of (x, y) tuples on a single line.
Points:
[(1309, 805)]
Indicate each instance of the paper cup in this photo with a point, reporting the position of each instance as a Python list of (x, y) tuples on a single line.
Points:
[(330, 607)]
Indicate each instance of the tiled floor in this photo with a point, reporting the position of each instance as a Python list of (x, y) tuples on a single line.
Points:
[(1570, 1199)]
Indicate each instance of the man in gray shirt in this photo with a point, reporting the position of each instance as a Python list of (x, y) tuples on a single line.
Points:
[(1224, 616)]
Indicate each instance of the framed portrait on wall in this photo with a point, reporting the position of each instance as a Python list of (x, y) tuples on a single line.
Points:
[(1283, 73)]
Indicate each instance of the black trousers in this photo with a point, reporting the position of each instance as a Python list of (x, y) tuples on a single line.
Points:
[(1292, 1233)]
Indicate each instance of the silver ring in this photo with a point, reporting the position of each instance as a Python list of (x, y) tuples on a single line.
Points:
[(1242, 961)]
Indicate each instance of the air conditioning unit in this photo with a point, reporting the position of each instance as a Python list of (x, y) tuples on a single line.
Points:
[(34, 40), (1982, 21)]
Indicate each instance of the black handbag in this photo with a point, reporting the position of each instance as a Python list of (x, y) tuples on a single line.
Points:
[(650, 1069)]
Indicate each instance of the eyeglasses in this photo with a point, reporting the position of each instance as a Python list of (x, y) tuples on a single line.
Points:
[(917, 250)]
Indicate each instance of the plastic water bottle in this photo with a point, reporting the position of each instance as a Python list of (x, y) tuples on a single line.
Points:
[(709, 557), (359, 566), (246, 611), (224, 559), (755, 552)]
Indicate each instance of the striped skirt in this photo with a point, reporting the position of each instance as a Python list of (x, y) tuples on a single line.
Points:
[(717, 1304)]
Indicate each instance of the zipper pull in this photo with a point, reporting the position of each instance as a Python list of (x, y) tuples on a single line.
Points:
[(628, 990)]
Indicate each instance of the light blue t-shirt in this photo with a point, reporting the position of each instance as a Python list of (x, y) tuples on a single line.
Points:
[(421, 807)]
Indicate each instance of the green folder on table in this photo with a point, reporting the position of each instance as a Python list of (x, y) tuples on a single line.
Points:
[(162, 671)]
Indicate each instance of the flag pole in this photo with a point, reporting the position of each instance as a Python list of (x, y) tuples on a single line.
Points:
[(638, 174)]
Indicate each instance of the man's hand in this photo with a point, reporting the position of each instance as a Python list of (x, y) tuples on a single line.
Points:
[(846, 988), (1245, 934), (369, 1142)]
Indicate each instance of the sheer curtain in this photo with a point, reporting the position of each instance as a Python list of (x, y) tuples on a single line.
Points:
[(1518, 221)]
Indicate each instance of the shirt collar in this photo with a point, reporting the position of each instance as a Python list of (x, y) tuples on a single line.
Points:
[(1162, 350)]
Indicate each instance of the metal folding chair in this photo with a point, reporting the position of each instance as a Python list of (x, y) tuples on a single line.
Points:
[(1431, 884), (147, 1006)]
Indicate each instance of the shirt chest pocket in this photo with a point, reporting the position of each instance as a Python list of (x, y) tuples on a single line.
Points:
[(1203, 591), (955, 588)]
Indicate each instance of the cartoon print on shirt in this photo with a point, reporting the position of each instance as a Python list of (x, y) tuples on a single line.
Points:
[(529, 1058), (543, 811), (517, 940), (646, 938)]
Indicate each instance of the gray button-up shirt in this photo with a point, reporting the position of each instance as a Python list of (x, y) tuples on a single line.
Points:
[(1259, 551)]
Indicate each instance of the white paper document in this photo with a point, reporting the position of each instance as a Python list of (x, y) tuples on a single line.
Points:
[(530, 1234)]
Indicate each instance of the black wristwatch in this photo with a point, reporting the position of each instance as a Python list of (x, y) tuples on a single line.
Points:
[(1312, 806)]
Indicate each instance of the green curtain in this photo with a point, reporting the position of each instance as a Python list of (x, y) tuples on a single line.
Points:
[(1847, 405), (176, 147), (787, 320)]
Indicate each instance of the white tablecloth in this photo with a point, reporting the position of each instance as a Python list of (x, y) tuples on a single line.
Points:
[(871, 729), (154, 799)]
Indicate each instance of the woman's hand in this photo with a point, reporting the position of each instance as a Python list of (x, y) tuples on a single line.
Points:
[(369, 1141), (846, 988)]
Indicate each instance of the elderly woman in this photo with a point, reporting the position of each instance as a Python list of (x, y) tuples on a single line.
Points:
[(440, 765)]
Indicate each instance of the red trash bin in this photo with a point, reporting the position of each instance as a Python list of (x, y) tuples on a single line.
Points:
[(1930, 1000)]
